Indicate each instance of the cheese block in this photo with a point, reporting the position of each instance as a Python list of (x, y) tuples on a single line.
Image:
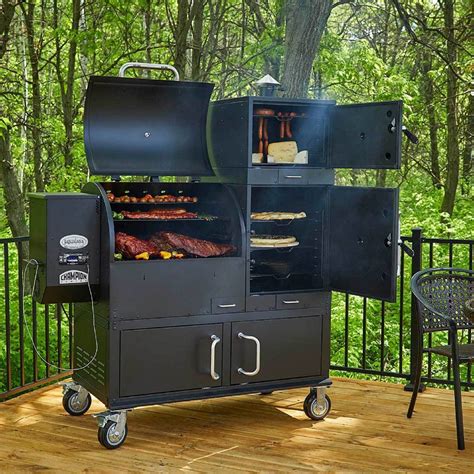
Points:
[(302, 157), (257, 157), (282, 152)]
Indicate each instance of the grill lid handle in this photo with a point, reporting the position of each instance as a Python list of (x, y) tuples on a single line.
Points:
[(149, 66)]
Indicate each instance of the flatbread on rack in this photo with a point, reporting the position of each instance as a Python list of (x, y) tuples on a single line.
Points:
[(273, 241), (274, 216)]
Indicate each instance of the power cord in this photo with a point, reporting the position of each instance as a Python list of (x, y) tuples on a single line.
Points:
[(36, 263)]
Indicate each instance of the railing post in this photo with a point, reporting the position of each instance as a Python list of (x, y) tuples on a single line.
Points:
[(415, 343)]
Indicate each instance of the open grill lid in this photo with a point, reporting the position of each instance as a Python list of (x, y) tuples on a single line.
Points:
[(146, 127)]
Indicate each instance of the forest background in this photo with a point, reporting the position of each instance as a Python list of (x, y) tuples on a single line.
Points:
[(353, 51)]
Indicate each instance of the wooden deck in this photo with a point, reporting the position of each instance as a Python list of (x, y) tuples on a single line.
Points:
[(366, 431)]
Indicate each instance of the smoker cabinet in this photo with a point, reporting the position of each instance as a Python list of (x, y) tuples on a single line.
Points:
[(254, 319), (366, 136)]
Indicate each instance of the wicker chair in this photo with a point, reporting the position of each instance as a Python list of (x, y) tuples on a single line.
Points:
[(445, 300)]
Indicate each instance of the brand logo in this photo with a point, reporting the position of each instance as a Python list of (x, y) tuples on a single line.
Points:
[(73, 242), (73, 277)]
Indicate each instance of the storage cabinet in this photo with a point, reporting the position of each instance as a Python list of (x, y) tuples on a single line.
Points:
[(276, 349), (170, 359)]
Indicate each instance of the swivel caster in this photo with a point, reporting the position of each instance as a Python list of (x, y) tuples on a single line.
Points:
[(113, 428), (76, 399), (317, 404), (266, 392)]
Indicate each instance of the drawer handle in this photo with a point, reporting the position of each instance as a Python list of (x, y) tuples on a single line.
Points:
[(294, 176), (215, 340), (291, 301), (233, 305), (257, 355)]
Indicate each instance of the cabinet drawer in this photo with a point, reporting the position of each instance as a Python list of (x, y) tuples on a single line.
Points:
[(276, 349), (145, 355), (228, 305), (263, 175), (302, 300), (294, 176), (261, 302)]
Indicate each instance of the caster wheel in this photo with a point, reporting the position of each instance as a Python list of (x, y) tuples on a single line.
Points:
[(109, 437), (73, 405), (266, 392), (313, 409)]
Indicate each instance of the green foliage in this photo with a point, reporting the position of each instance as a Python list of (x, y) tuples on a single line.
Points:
[(365, 55)]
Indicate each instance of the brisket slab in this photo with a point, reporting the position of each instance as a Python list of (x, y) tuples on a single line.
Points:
[(192, 246), (130, 246)]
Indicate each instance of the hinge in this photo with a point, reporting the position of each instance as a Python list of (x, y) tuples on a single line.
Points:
[(195, 179), (115, 178)]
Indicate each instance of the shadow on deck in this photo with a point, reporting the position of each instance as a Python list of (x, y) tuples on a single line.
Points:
[(367, 430)]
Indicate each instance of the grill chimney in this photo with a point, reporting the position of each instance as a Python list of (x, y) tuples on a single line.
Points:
[(267, 86)]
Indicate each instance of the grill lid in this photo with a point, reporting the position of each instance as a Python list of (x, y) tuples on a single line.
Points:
[(146, 127)]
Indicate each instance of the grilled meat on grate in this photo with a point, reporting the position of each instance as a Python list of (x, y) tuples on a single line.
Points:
[(130, 246), (192, 246)]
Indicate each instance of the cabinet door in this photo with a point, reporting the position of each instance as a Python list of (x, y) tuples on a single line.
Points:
[(366, 135), (169, 359), (363, 232), (276, 349)]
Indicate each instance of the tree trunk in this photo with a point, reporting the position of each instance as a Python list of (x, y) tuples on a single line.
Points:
[(381, 178), (451, 120), (181, 36), (197, 45), (147, 17), (67, 86), (305, 23), (14, 202), (467, 153), (6, 17), (429, 99), (13, 198), (28, 13)]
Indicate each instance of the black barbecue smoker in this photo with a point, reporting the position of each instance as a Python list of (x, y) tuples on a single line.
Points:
[(217, 281)]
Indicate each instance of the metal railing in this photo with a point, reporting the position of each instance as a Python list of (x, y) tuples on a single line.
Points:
[(368, 336), (49, 329), (383, 348)]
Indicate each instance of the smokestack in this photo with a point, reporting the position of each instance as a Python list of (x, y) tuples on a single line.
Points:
[(267, 86)]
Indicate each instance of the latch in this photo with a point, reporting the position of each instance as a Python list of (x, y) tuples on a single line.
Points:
[(410, 135)]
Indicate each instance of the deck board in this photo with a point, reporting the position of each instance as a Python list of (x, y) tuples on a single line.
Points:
[(367, 430)]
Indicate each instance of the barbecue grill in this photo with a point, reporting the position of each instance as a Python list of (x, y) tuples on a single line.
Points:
[(195, 295)]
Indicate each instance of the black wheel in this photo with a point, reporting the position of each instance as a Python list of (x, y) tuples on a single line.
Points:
[(266, 392), (313, 409), (109, 437), (73, 405)]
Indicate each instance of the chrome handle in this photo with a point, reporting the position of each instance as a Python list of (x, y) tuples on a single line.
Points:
[(291, 301), (294, 176), (215, 341), (161, 67), (233, 305), (257, 356)]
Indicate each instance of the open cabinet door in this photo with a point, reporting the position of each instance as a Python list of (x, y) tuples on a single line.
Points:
[(363, 232), (366, 135)]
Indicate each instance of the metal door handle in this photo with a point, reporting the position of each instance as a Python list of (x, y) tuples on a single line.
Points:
[(233, 305), (291, 301), (257, 355), (294, 176), (166, 67), (215, 340)]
